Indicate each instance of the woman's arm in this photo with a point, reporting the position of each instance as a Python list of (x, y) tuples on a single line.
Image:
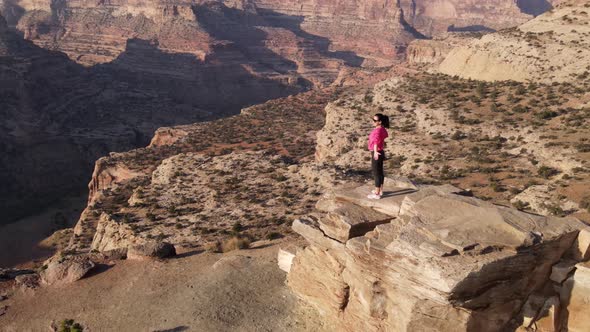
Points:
[(375, 153)]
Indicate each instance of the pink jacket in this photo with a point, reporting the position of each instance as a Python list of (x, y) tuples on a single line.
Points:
[(377, 136)]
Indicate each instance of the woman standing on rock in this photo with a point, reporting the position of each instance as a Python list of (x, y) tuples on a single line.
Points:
[(376, 145)]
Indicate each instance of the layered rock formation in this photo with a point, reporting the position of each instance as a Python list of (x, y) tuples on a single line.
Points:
[(548, 48), (211, 32), (435, 17), (373, 32), (441, 262), (434, 51)]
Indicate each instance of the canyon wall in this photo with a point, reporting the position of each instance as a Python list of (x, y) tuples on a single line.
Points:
[(435, 17), (358, 32)]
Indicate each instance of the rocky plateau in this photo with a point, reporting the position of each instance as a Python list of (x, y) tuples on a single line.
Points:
[(552, 47)]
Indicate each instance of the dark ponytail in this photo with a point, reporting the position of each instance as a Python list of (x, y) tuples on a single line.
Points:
[(384, 119)]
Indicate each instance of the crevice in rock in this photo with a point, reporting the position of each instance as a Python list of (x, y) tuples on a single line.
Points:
[(346, 298)]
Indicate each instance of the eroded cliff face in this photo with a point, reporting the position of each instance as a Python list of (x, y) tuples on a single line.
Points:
[(375, 30), (214, 33), (429, 259), (436, 17), (305, 33), (431, 52)]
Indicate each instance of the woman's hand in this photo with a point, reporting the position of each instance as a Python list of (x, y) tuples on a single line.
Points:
[(376, 155)]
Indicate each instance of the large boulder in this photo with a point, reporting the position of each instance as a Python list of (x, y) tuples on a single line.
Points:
[(64, 270), (150, 250)]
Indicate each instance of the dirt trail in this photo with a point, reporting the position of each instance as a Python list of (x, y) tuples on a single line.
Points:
[(237, 291)]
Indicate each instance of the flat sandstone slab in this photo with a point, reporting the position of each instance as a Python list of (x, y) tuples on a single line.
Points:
[(389, 204), (349, 220)]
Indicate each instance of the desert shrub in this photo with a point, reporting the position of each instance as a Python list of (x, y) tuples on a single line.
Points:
[(396, 161), (235, 243), (69, 325), (458, 135), (273, 235), (213, 246), (447, 173), (520, 205), (497, 187), (546, 115), (236, 228), (514, 190), (546, 172), (556, 210)]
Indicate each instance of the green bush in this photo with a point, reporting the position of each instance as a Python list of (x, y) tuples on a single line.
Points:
[(546, 115), (520, 205), (546, 172), (69, 325)]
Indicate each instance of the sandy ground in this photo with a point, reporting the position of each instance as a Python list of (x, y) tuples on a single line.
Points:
[(19, 241), (237, 291)]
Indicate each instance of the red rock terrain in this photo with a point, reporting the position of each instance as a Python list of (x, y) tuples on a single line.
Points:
[(135, 66)]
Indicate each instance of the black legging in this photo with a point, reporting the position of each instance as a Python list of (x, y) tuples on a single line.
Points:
[(377, 167)]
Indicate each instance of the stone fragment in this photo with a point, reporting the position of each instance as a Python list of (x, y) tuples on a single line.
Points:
[(66, 270), (27, 281), (575, 292), (531, 308), (312, 233), (316, 277), (350, 220), (115, 254), (285, 257), (547, 319), (560, 271), (581, 248), (10, 273), (152, 249)]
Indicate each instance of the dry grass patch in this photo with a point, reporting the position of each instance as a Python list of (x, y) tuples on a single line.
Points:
[(235, 243)]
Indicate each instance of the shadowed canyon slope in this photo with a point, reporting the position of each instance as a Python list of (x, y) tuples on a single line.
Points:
[(51, 104)]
